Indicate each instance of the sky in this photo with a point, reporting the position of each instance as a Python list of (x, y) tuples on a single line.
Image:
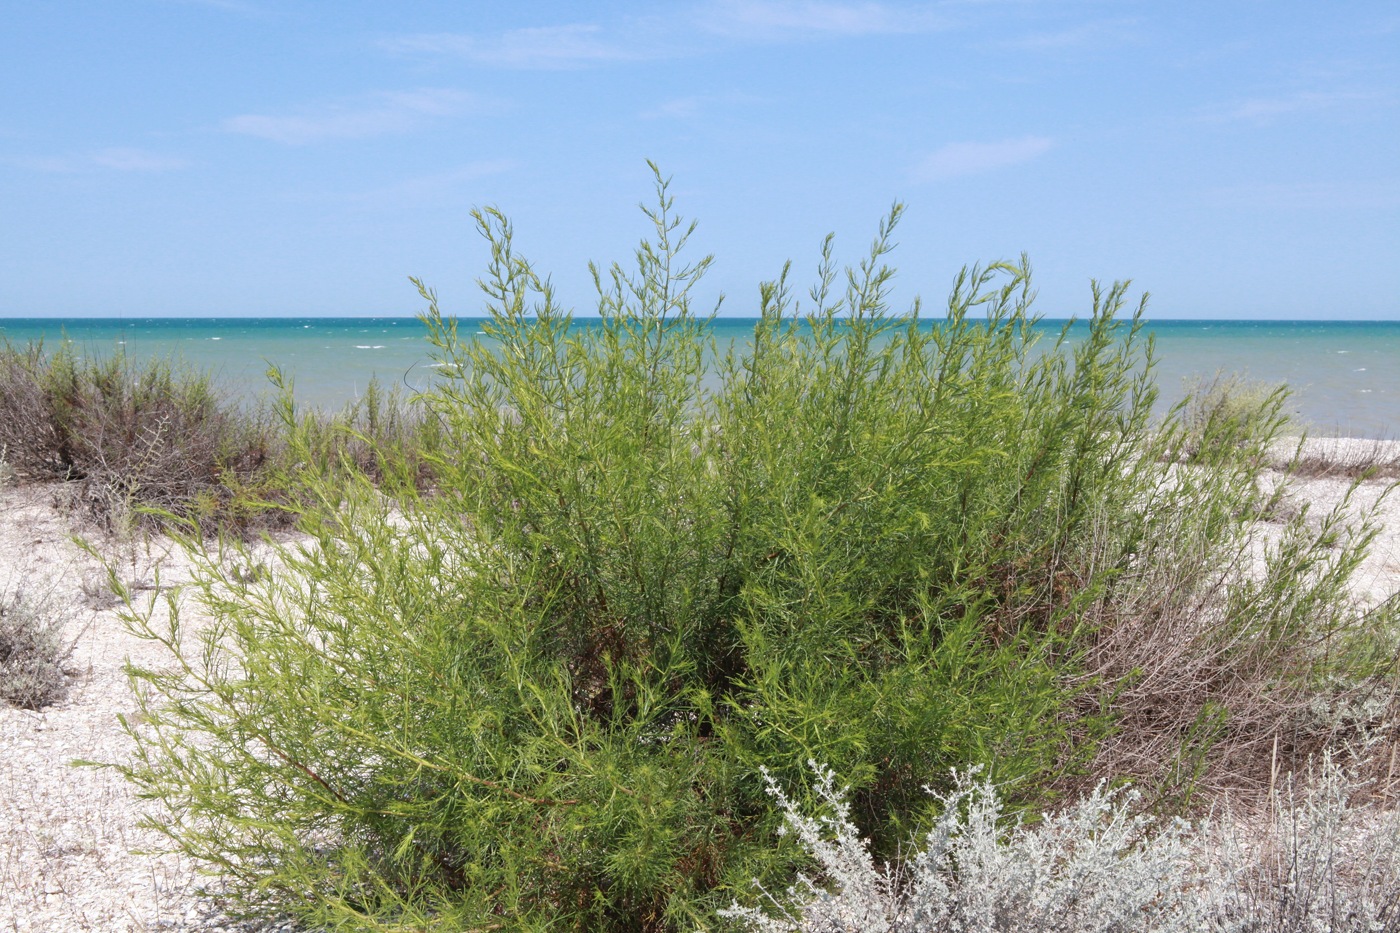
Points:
[(290, 158)]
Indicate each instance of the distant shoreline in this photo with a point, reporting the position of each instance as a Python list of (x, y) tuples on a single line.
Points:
[(584, 316), (1342, 374)]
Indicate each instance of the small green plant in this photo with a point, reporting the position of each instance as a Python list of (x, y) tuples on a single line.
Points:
[(392, 439), (649, 566), (32, 652), (1229, 408)]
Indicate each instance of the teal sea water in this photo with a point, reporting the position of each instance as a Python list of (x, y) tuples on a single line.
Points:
[(1345, 375)]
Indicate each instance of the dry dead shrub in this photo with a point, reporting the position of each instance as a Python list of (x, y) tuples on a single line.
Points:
[(138, 442), (1344, 458), (1229, 661), (28, 432)]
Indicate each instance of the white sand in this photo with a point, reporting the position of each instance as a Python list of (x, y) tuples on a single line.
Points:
[(72, 855)]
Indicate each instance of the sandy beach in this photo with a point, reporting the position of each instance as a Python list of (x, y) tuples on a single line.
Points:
[(73, 856)]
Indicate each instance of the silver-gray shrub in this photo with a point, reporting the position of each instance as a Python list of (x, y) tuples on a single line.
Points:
[(1098, 866), (33, 650), (1321, 859)]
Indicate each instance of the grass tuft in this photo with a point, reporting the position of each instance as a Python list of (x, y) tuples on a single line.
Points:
[(137, 443)]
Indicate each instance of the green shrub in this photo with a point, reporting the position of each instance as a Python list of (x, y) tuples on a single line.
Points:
[(383, 435), (649, 565), (1228, 408)]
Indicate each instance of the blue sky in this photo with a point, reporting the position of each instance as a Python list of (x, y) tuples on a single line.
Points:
[(252, 157)]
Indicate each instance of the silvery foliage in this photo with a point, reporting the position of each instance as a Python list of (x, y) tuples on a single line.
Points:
[(1096, 866), (1321, 862)]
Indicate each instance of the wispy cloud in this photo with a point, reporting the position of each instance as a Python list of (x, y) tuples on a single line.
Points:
[(545, 47), (448, 186), (684, 108), (787, 20), (386, 112), (1263, 110), (971, 158), (1085, 35), (676, 108), (674, 30), (436, 186), (120, 159), (230, 6), (136, 160)]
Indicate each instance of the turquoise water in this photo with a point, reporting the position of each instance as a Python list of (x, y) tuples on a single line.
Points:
[(1345, 375), (330, 360)]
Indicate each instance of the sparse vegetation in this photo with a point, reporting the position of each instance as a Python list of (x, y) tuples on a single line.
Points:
[(539, 690), (382, 435), (140, 445), (135, 442), (1341, 458), (1218, 409), (33, 649)]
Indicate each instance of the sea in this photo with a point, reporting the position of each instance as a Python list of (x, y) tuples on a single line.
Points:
[(1344, 376)]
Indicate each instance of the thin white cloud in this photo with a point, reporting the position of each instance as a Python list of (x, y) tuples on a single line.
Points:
[(229, 6), (970, 158), (678, 108), (545, 47), (55, 164), (1086, 35), (383, 113), (674, 32), (432, 187), (120, 159), (459, 183), (685, 108), (1267, 109), (786, 20)]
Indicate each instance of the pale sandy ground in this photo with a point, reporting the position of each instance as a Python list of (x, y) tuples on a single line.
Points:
[(72, 856)]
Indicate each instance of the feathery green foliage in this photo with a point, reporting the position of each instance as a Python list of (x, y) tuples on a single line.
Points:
[(540, 695), (381, 435)]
